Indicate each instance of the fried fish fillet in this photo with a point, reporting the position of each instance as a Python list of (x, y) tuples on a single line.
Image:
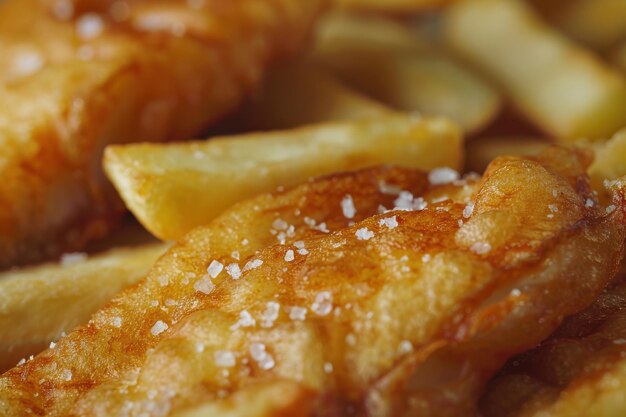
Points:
[(579, 371), (76, 76), (406, 312)]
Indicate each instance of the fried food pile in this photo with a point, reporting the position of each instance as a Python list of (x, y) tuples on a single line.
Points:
[(388, 291), (76, 76), (370, 208)]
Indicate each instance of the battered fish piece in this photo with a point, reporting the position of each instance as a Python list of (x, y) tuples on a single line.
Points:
[(77, 76), (578, 371), (406, 312)]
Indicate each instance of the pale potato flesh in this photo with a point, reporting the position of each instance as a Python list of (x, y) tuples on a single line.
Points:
[(70, 85), (174, 188), (564, 89), (407, 312)]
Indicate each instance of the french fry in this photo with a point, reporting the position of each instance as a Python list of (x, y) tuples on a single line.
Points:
[(173, 188), (405, 77), (562, 88), (620, 57), (301, 94), (480, 152), (392, 6), (597, 23), (38, 304), (609, 163)]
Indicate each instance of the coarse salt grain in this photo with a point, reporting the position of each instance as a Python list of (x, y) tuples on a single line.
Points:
[(553, 208), (328, 367), (444, 175), (163, 280), (89, 26), (390, 222), (29, 63), (245, 320), (347, 207), (73, 258), (515, 292), (468, 210), (204, 285), (215, 268), (610, 209), (299, 244), (253, 264), (116, 322), (289, 255), (297, 313), (405, 347), (259, 354), (589, 203), (270, 314), (364, 234), (66, 375), (280, 224), (225, 359), (158, 328), (233, 270), (480, 248), (235, 255), (323, 303), (303, 252)]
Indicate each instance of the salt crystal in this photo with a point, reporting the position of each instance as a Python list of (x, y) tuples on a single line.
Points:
[(235, 255), (347, 206), (52, 345), (610, 209), (253, 264), (215, 268), (589, 203), (66, 375), (480, 248), (444, 175), (158, 328), (29, 63), (297, 313), (289, 255), (270, 314), (280, 224), (328, 367), (405, 347), (73, 258), (515, 292), (116, 322), (426, 257), (390, 222), (364, 234), (553, 208), (468, 210), (260, 355), (299, 244), (303, 252), (225, 359), (204, 285), (245, 320), (163, 281), (351, 339), (323, 303), (233, 270), (89, 26)]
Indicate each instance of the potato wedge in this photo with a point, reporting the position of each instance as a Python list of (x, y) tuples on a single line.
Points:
[(480, 152), (409, 79), (302, 94), (563, 89), (38, 304), (173, 188)]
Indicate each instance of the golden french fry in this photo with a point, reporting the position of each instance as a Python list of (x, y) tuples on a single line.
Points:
[(406, 78), (609, 163), (392, 6), (173, 188), (562, 88), (480, 152), (38, 304), (301, 94), (598, 23), (620, 57)]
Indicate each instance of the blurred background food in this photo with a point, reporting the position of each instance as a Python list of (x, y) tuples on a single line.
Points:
[(272, 93)]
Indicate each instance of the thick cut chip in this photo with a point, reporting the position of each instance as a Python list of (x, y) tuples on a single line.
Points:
[(38, 304), (562, 88), (480, 152), (174, 188), (579, 371), (392, 6), (76, 76), (303, 94), (406, 312), (409, 78)]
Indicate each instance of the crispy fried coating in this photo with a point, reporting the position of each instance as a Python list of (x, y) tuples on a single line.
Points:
[(77, 76), (579, 371), (399, 313)]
